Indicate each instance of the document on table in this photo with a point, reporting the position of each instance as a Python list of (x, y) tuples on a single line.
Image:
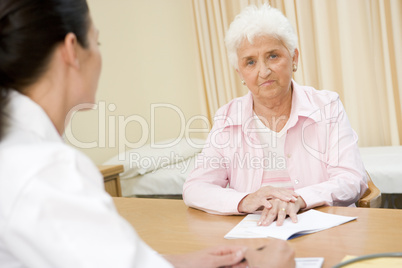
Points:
[(308, 222), (309, 262)]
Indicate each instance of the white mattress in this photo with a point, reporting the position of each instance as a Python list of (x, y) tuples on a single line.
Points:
[(384, 164), (157, 169), (164, 181)]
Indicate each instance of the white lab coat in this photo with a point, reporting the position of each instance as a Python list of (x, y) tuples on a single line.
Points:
[(54, 211)]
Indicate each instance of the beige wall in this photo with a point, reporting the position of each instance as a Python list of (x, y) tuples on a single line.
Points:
[(150, 56)]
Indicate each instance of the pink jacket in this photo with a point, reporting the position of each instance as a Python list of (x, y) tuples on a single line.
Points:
[(322, 156)]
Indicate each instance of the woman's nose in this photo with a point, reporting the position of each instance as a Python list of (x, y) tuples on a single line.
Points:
[(264, 70)]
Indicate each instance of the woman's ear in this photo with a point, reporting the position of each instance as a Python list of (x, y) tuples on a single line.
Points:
[(239, 73), (296, 57), (70, 50)]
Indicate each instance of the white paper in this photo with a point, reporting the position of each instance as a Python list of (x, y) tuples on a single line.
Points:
[(310, 221), (309, 262)]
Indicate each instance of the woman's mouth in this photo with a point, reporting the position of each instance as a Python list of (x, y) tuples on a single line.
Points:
[(267, 83)]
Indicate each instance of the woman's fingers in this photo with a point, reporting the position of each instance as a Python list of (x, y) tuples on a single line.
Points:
[(276, 253), (281, 216), (268, 216), (280, 193), (261, 198), (293, 216), (279, 211), (252, 202), (227, 258), (293, 209), (291, 195), (266, 203), (264, 215)]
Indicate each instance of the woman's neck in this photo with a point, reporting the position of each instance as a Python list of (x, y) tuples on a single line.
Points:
[(52, 99), (274, 113)]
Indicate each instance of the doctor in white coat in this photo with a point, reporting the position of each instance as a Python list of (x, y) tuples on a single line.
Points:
[(54, 211)]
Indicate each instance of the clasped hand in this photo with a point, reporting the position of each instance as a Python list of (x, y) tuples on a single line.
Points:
[(275, 203)]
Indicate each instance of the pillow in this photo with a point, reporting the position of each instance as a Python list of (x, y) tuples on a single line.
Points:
[(152, 157)]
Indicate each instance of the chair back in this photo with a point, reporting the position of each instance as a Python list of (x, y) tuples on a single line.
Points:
[(372, 197)]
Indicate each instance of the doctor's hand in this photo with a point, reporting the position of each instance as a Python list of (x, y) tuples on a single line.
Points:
[(221, 256), (280, 210), (259, 199), (277, 253)]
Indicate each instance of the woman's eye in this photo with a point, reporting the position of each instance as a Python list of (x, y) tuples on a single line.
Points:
[(250, 62), (273, 56)]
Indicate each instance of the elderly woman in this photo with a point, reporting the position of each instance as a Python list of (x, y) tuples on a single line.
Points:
[(282, 147)]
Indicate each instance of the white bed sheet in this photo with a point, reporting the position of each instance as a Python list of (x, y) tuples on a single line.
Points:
[(384, 164), (164, 181)]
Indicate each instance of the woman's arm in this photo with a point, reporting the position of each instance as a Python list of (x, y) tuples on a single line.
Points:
[(206, 188), (347, 179)]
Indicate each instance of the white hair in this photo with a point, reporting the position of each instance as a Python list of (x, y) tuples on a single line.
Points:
[(253, 22)]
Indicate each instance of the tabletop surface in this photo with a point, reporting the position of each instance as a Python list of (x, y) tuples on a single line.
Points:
[(169, 227)]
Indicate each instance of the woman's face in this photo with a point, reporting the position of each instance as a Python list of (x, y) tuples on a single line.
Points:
[(90, 64), (266, 67)]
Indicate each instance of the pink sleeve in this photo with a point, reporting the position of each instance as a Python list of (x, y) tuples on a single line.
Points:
[(206, 187), (347, 176)]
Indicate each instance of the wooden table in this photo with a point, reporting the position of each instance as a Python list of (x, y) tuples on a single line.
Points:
[(169, 226), (111, 178)]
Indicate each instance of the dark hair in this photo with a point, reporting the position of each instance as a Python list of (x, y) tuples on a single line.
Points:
[(29, 32)]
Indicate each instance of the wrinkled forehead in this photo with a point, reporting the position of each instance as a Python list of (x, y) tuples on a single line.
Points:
[(270, 42)]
